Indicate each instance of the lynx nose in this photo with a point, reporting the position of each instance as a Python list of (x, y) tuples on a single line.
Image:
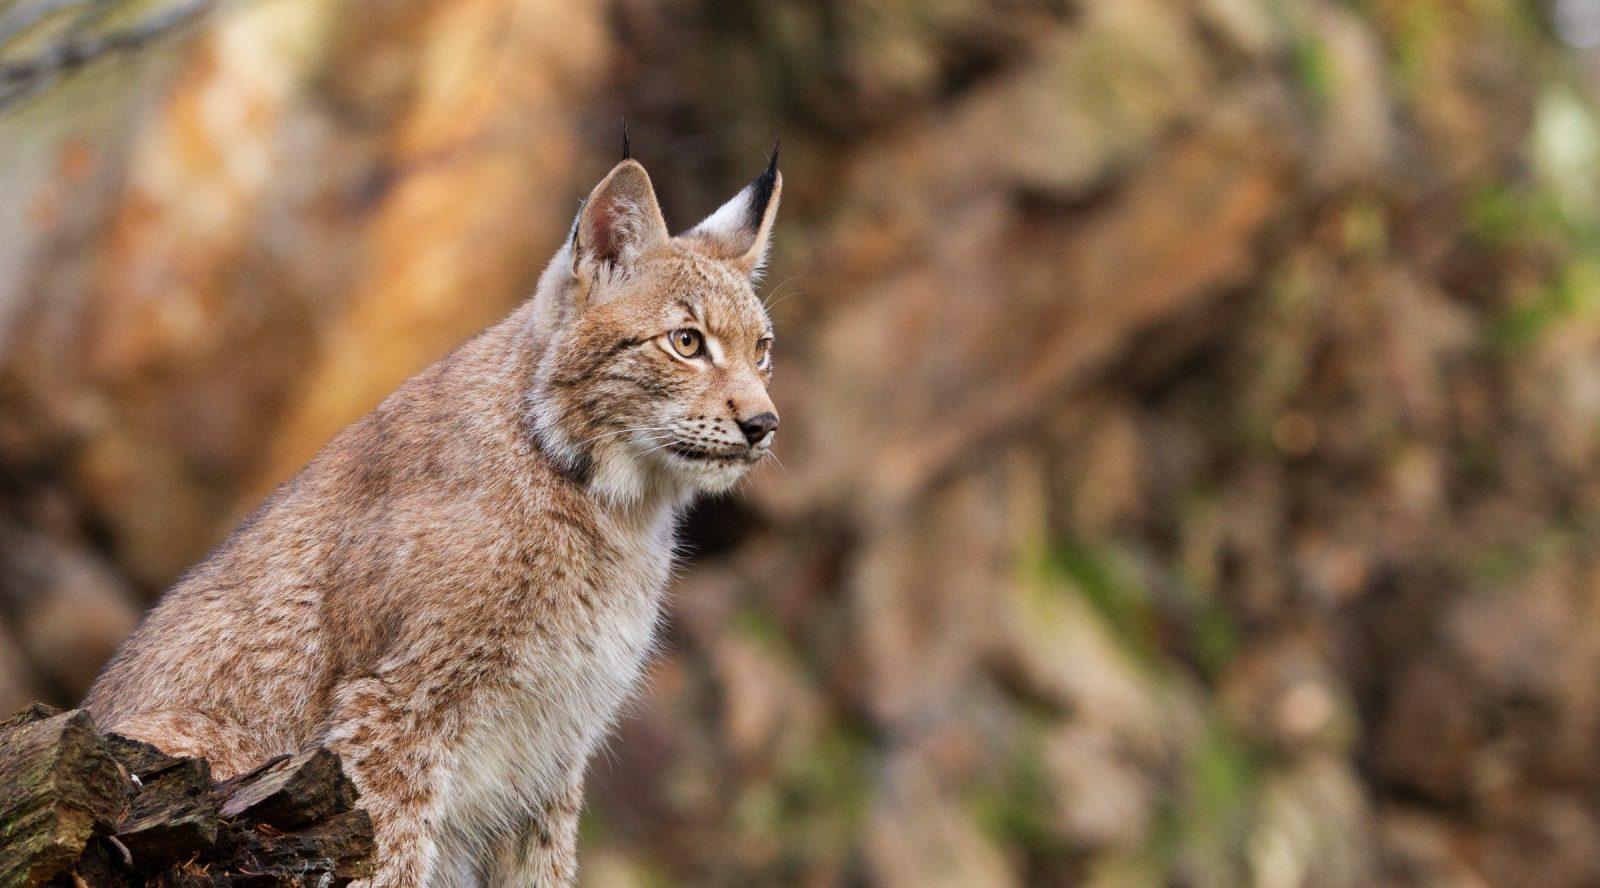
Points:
[(759, 426)]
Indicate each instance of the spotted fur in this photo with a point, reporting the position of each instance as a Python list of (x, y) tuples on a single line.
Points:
[(460, 590)]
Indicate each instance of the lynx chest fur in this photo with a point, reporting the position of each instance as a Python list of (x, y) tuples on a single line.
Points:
[(594, 630)]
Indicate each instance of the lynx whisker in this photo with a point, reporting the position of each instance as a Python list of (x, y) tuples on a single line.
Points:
[(615, 432), (766, 301)]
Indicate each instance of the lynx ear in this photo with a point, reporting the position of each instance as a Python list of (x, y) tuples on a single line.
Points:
[(620, 221), (738, 231)]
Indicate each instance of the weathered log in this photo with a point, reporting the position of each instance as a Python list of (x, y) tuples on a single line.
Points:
[(59, 786), (332, 852), (291, 791), (104, 864), (81, 809), (34, 712), (138, 758), (173, 815)]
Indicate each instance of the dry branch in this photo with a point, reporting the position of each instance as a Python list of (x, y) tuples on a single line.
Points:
[(86, 39)]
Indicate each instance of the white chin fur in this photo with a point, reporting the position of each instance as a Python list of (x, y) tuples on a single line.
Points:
[(705, 476), (714, 477), (623, 474)]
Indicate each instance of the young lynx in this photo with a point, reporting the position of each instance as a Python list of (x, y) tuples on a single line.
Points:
[(460, 590)]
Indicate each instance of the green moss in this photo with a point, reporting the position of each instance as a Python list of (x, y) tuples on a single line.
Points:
[(1216, 637), (1499, 565), (1139, 869), (1503, 566), (1205, 813), (761, 627), (1365, 227), (1557, 210), (1016, 808), (1314, 68), (1107, 581), (1502, 215), (1420, 27), (816, 805), (1226, 772), (1476, 459), (1204, 823), (1113, 590), (1573, 295)]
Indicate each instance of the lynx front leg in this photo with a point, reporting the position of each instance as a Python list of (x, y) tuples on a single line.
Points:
[(395, 763), (544, 852)]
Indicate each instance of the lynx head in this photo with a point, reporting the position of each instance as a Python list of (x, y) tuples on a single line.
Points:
[(652, 379)]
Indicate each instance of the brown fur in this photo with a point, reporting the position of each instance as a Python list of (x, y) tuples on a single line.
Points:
[(457, 593)]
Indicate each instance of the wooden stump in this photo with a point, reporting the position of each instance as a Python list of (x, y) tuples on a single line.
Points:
[(78, 808), (59, 785)]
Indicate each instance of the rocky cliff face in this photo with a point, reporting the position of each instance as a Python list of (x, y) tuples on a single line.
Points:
[(1191, 407)]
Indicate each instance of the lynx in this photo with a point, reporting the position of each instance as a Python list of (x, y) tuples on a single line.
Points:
[(458, 592)]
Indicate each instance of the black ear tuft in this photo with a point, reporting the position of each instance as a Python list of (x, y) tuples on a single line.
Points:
[(626, 151), (739, 230), (763, 188)]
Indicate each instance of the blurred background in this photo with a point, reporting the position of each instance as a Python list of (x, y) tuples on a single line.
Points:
[(1191, 451)]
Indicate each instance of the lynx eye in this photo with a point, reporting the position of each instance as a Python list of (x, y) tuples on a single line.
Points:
[(687, 343), (764, 353)]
